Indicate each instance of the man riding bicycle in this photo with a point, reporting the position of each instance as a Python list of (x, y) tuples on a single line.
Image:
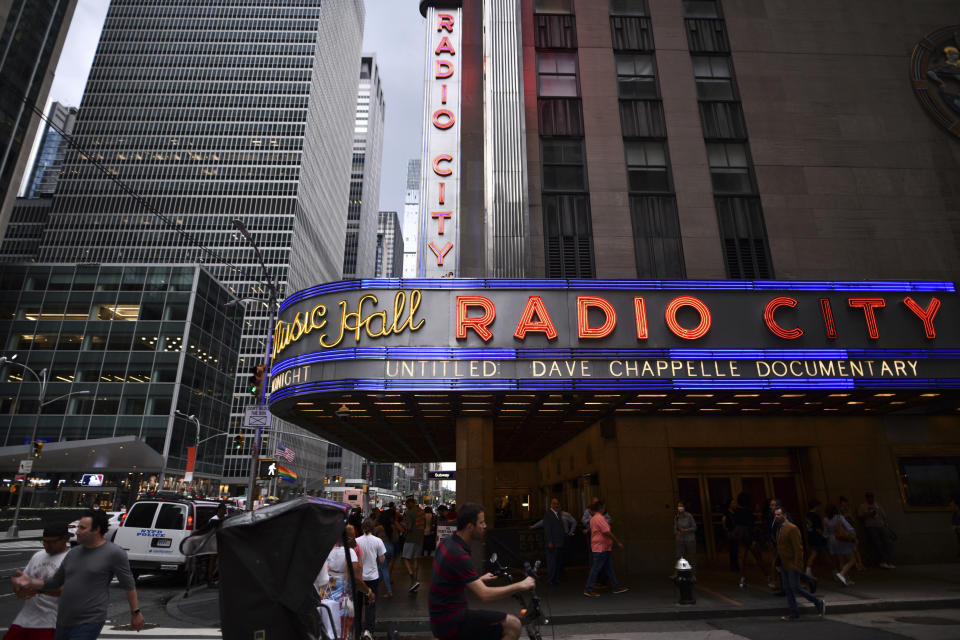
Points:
[(453, 571)]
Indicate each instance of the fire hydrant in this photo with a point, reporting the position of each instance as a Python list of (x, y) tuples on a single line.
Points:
[(684, 580)]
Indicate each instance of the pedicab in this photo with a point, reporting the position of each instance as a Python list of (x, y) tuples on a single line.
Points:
[(269, 559)]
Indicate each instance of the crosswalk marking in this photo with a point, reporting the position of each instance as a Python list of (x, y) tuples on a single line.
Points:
[(157, 633), (21, 544)]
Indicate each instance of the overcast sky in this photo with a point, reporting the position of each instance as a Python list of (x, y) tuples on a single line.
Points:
[(394, 30)]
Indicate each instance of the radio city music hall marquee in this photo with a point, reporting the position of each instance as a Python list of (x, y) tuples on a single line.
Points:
[(595, 334)]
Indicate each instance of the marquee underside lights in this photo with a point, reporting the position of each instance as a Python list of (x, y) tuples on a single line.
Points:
[(594, 335)]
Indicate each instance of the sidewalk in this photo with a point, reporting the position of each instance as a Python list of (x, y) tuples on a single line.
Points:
[(653, 597)]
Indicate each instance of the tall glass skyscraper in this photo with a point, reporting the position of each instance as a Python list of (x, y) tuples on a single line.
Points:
[(31, 38), (52, 152), (212, 111), (360, 248), (411, 219)]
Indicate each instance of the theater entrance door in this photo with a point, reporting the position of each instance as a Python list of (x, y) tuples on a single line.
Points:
[(707, 480)]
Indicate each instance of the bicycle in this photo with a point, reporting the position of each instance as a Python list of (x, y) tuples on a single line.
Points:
[(531, 615)]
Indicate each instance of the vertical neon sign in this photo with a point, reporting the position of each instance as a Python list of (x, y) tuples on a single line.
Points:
[(438, 250)]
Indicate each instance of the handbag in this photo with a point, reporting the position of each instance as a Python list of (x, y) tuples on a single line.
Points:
[(843, 534)]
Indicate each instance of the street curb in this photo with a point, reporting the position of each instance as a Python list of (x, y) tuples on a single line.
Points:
[(690, 612)]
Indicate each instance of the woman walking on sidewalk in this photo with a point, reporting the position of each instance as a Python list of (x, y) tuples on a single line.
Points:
[(842, 542)]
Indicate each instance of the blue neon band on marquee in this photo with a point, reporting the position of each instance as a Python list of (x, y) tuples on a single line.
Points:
[(569, 384), (621, 285), (440, 353)]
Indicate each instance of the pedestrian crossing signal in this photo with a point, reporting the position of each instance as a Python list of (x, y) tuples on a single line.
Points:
[(256, 380), (238, 441)]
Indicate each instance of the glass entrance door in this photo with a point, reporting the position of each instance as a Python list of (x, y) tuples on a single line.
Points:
[(707, 495)]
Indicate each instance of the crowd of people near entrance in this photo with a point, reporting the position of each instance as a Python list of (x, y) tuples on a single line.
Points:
[(381, 545)]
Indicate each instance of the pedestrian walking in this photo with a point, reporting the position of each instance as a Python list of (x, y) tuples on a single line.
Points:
[(748, 541), (554, 539), (413, 524), (37, 619), (339, 579), (790, 553), (83, 579), (874, 520), (685, 536), (373, 554), (843, 506), (816, 542), (429, 531), (601, 544), (842, 543), (383, 567), (955, 520)]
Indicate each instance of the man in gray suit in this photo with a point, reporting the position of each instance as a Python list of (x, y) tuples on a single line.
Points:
[(555, 532)]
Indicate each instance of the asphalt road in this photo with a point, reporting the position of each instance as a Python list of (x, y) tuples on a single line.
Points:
[(153, 592)]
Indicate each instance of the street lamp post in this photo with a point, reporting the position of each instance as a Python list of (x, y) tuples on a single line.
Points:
[(268, 279), (42, 378)]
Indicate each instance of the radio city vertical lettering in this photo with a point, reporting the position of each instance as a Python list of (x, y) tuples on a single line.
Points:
[(437, 254)]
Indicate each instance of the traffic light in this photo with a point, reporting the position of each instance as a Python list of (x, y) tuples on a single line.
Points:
[(37, 448), (256, 380), (238, 441), (326, 480)]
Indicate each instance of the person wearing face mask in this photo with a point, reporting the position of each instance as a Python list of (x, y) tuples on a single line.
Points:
[(685, 532), (789, 548)]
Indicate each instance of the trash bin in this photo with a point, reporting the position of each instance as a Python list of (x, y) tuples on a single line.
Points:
[(685, 581), (269, 559)]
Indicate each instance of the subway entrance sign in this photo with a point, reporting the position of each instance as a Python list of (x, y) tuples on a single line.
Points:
[(441, 475), (411, 356)]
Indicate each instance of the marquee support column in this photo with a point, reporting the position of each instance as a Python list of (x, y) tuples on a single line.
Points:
[(475, 470)]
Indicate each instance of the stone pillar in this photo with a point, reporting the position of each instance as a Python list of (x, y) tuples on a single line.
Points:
[(475, 471)]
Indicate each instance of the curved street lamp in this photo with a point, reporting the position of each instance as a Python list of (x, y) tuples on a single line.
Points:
[(42, 378)]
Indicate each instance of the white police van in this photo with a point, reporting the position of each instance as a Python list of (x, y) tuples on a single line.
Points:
[(153, 528)]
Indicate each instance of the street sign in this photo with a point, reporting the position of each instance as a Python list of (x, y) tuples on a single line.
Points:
[(26, 466), (256, 418), (441, 475), (445, 531)]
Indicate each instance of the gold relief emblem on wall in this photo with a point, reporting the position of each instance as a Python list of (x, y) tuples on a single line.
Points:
[(935, 75)]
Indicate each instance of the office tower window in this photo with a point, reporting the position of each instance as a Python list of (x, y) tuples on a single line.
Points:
[(647, 166), (629, 8), (700, 9), (656, 236), (563, 165), (729, 167), (745, 247), (557, 74), (553, 6), (713, 77), (569, 236), (636, 77), (744, 238)]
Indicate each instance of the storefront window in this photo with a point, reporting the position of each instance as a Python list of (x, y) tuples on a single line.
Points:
[(929, 481)]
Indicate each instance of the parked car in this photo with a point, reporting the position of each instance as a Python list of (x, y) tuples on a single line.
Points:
[(153, 529)]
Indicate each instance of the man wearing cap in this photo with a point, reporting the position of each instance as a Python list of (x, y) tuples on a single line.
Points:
[(85, 576), (37, 619)]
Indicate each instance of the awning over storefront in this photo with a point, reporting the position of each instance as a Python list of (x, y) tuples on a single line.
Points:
[(121, 454), (387, 367)]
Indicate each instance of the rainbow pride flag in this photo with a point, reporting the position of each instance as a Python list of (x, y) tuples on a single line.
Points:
[(286, 474)]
